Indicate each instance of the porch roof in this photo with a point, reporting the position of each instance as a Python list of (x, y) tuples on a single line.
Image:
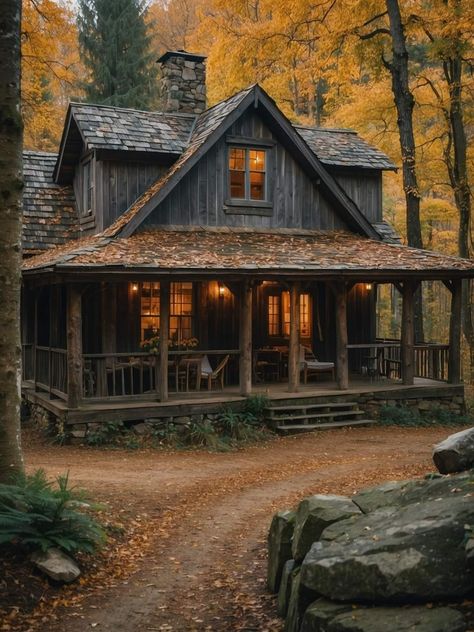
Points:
[(208, 251)]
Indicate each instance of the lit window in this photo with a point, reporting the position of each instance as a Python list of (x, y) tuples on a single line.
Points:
[(181, 310), (279, 322), (247, 174)]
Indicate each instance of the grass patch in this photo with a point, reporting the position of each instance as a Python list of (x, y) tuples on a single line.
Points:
[(411, 417)]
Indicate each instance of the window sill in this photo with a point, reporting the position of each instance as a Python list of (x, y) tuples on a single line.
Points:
[(248, 207)]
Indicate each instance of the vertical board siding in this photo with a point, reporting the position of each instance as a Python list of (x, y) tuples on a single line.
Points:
[(365, 190), (199, 199)]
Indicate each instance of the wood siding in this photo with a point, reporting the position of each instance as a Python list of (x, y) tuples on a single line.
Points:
[(118, 184), (365, 189), (200, 197)]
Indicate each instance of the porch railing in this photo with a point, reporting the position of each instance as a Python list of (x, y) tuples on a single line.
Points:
[(50, 370), (27, 362), (125, 375), (383, 357)]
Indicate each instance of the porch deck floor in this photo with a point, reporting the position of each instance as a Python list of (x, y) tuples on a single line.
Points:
[(186, 403)]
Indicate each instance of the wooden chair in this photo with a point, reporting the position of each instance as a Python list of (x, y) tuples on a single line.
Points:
[(310, 364), (216, 375)]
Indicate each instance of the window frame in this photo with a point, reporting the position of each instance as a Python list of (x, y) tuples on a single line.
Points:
[(87, 188), (248, 205), (280, 318)]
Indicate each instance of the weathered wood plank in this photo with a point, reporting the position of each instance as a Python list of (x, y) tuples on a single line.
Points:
[(342, 363), (454, 360), (164, 340), (245, 342), (408, 333), (294, 342), (74, 346)]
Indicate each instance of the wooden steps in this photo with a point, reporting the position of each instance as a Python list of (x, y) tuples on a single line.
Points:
[(306, 416)]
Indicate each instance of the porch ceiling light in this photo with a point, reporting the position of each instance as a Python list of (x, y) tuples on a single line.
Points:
[(221, 290), (134, 287), (368, 286)]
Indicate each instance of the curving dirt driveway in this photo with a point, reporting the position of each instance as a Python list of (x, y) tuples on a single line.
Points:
[(204, 518)]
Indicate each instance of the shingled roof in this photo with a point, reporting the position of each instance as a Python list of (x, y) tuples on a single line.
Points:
[(49, 212), (206, 251), (343, 148)]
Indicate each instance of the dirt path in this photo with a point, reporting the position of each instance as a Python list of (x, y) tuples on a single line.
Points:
[(207, 516)]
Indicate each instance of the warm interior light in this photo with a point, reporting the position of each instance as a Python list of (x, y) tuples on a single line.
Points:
[(368, 286), (221, 290), (134, 287)]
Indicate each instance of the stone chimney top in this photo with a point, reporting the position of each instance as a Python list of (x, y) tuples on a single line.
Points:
[(182, 84)]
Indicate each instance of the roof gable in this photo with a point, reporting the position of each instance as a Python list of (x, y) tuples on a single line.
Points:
[(212, 125)]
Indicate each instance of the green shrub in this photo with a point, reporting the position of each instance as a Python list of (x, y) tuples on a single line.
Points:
[(202, 434), (167, 435), (38, 515), (107, 433), (405, 416), (255, 405)]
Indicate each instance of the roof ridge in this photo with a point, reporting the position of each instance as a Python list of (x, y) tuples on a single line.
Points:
[(40, 152), (121, 109), (338, 130)]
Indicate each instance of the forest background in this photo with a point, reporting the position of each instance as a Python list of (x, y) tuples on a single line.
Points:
[(325, 63)]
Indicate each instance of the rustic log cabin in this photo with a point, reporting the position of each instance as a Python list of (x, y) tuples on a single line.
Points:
[(180, 260)]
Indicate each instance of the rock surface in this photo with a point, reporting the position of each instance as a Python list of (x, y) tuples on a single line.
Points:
[(456, 453), (326, 616), (300, 598), (284, 592), (279, 547), (414, 553), (56, 565), (313, 515)]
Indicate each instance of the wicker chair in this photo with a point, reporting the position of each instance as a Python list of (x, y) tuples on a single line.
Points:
[(213, 375)]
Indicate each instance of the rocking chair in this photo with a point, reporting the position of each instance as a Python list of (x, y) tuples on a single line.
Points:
[(216, 375)]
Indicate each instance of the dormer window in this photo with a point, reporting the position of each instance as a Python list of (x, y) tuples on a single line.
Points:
[(247, 174), (87, 188)]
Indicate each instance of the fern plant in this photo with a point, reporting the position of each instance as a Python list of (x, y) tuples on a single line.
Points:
[(37, 515)]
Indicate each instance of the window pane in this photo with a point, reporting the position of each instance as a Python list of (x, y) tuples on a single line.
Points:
[(256, 160), (285, 297), (273, 315), (181, 311), (257, 185), (149, 309), (237, 159), (237, 184), (305, 315)]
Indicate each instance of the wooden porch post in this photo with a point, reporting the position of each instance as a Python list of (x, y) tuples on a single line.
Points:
[(74, 346), (342, 363), (408, 332), (454, 361), (245, 361), (164, 340), (294, 343)]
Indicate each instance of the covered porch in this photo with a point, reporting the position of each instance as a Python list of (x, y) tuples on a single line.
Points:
[(217, 314)]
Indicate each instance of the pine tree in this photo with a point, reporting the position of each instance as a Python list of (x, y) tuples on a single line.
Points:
[(115, 47)]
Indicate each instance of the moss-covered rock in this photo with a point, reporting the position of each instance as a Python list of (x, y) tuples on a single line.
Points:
[(284, 592), (320, 613), (313, 515), (417, 618), (456, 453), (300, 598), (279, 547)]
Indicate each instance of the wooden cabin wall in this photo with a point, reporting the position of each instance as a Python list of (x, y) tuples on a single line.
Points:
[(88, 223), (360, 315), (217, 317), (364, 187), (200, 197), (119, 183), (91, 319)]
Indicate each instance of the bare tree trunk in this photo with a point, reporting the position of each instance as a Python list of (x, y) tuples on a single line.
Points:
[(404, 102), (11, 141)]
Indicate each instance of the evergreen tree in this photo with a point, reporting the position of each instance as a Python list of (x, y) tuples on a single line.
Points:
[(115, 47)]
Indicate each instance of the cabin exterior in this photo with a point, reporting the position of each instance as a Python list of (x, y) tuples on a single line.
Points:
[(181, 259)]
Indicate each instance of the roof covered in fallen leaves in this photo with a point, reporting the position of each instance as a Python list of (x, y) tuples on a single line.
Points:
[(49, 211), (186, 249)]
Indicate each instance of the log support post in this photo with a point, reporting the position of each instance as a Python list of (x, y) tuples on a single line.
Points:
[(245, 361), (454, 359), (342, 360), (74, 346), (162, 377), (408, 332), (294, 368)]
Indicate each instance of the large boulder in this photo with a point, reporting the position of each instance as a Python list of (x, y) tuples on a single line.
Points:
[(313, 515), (56, 565), (279, 547), (414, 553), (326, 616), (456, 453), (284, 591), (396, 493)]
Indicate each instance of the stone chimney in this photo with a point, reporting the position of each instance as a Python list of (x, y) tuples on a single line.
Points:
[(182, 84)]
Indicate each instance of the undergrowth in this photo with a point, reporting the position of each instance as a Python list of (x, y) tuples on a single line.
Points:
[(37, 514), (410, 417)]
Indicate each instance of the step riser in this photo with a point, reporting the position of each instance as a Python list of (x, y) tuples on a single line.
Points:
[(291, 430), (336, 415)]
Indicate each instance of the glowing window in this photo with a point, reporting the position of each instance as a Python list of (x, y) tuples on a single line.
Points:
[(247, 174)]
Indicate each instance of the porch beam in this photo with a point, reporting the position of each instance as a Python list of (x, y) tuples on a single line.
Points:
[(342, 362), (408, 332), (245, 339), (162, 378), (294, 342), (74, 346), (454, 360)]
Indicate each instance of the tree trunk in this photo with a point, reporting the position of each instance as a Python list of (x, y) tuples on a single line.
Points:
[(11, 141), (404, 103)]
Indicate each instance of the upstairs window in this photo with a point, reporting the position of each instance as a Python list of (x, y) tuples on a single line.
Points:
[(247, 174), (87, 188)]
